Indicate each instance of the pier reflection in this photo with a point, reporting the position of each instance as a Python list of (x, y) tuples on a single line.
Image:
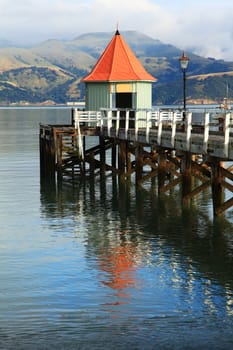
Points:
[(128, 229), (119, 265)]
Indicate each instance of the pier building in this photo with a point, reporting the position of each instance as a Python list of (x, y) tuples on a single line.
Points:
[(118, 80)]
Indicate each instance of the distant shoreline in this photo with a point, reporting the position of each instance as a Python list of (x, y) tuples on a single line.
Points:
[(81, 104)]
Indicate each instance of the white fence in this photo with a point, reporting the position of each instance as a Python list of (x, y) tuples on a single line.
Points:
[(125, 117), (125, 120)]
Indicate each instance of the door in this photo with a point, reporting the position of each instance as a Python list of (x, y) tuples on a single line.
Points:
[(125, 100)]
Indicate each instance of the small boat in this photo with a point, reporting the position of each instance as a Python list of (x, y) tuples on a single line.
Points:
[(222, 109), (225, 104), (220, 114)]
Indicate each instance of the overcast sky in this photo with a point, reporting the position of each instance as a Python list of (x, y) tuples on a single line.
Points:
[(203, 25)]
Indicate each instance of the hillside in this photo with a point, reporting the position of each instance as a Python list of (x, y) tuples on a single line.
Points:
[(53, 70)]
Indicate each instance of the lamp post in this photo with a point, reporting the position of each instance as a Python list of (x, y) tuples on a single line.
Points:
[(184, 61)]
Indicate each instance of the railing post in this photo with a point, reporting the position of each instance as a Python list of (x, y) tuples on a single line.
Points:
[(136, 125), (173, 129), (59, 154), (226, 133), (98, 118), (75, 117), (188, 129), (109, 121), (117, 122), (126, 123), (102, 119), (156, 117), (206, 132), (160, 124), (148, 125), (88, 117)]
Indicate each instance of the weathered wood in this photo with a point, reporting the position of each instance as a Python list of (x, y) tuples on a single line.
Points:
[(92, 163), (138, 162), (174, 159), (186, 170), (227, 185), (128, 159), (102, 155), (148, 176), (162, 169), (114, 153), (198, 189), (217, 188), (122, 157), (226, 173), (171, 184), (221, 208)]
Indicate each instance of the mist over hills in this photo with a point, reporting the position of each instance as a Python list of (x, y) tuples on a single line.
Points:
[(50, 72)]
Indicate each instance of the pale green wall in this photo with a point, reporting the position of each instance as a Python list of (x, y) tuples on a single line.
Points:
[(144, 95), (98, 95)]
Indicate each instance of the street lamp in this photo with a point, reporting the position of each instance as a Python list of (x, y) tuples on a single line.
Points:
[(184, 61)]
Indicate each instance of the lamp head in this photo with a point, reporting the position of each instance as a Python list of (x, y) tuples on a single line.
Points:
[(184, 61)]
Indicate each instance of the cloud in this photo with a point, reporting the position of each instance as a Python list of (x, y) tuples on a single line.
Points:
[(205, 26), (208, 30)]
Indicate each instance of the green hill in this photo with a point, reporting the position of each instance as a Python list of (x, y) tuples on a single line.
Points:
[(53, 70)]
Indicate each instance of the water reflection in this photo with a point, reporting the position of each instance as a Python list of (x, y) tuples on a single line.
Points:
[(119, 265), (139, 241), (102, 264)]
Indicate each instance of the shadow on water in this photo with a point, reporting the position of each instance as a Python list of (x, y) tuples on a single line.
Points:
[(126, 224)]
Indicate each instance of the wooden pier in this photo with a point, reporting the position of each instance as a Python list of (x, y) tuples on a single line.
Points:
[(172, 146)]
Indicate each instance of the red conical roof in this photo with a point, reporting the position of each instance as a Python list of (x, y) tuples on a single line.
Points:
[(118, 63)]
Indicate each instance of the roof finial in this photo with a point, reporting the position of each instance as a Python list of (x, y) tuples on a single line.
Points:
[(117, 31)]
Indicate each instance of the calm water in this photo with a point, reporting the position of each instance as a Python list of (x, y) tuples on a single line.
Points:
[(103, 265)]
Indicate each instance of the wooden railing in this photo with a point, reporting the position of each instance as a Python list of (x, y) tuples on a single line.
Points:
[(204, 132), (141, 117)]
